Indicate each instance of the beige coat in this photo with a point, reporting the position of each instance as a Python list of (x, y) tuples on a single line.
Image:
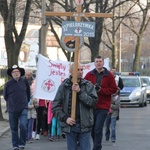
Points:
[(33, 104)]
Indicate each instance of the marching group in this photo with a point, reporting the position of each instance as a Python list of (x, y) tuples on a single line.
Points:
[(97, 105)]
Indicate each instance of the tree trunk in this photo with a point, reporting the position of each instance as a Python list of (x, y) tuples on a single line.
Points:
[(114, 53), (136, 61), (95, 42)]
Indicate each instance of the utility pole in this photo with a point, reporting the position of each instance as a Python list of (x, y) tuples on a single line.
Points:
[(120, 38), (42, 31)]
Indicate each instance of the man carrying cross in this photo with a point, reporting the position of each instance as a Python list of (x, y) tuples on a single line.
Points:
[(78, 14), (77, 129)]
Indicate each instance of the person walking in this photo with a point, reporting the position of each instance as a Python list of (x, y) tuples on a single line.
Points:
[(17, 94), (29, 76), (78, 129), (53, 124), (42, 119), (32, 115), (119, 83), (105, 86), (110, 122), (113, 115)]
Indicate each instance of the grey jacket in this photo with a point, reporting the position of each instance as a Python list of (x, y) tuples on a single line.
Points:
[(115, 105), (87, 100)]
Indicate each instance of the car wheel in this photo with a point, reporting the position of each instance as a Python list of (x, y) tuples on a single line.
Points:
[(145, 104), (141, 104)]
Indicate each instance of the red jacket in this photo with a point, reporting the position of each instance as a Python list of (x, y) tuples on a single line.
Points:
[(108, 87)]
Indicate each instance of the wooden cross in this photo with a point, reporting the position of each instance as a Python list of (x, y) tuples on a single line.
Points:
[(78, 16)]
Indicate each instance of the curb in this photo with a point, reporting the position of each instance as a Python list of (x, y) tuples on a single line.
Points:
[(2, 132)]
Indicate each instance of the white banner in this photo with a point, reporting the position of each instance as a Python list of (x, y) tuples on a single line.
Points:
[(50, 75)]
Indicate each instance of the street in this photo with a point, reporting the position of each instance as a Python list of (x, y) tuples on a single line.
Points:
[(133, 133)]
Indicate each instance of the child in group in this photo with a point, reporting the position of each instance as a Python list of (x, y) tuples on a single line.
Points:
[(41, 119), (110, 122), (54, 125), (32, 105)]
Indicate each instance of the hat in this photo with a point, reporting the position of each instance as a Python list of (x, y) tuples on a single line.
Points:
[(22, 71)]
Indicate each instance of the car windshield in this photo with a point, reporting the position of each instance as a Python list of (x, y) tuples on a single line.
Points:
[(146, 81), (131, 82)]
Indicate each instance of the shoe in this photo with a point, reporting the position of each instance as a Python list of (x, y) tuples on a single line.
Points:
[(37, 137), (21, 147), (16, 148), (52, 139), (33, 135), (113, 141), (30, 141), (49, 136), (63, 135), (45, 133), (58, 138)]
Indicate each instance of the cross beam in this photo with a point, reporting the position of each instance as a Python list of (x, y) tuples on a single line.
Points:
[(78, 16), (74, 14)]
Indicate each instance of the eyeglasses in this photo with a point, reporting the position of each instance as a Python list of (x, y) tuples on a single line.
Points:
[(15, 71), (80, 69)]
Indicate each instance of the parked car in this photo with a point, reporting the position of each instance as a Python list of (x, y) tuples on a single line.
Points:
[(134, 92), (146, 80)]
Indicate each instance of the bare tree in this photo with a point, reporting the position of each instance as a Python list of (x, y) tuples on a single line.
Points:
[(88, 6), (112, 28), (13, 38), (103, 6), (138, 24)]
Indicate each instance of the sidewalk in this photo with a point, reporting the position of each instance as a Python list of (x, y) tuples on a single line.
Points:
[(4, 125)]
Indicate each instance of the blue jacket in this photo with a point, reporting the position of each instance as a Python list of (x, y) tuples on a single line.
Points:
[(17, 94)]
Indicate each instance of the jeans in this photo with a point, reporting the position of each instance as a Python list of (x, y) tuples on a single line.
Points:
[(113, 128), (76, 136), (97, 134), (30, 128), (110, 123), (14, 120), (107, 126)]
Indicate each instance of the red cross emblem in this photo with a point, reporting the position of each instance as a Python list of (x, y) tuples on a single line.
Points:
[(79, 2), (78, 29), (49, 84)]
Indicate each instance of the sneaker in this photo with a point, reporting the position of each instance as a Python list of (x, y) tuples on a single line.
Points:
[(63, 135), (37, 137), (21, 147), (30, 141), (113, 141), (33, 135), (58, 138), (16, 148), (52, 139)]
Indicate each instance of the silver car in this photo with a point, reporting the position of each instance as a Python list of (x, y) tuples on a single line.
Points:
[(134, 92), (146, 80)]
